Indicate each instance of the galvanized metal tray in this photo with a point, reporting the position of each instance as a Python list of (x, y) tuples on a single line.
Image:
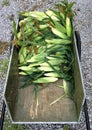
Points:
[(21, 102)]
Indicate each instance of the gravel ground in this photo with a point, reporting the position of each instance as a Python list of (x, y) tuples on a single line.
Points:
[(83, 22)]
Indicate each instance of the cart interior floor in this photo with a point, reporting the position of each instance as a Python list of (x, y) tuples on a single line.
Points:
[(27, 111)]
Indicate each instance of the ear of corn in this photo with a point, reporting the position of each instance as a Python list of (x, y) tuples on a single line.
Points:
[(52, 15), (27, 68), (23, 73), (68, 27), (51, 74), (59, 33), (48, 68), (58, 41), (67, 88), (46, 80), (22, 54)]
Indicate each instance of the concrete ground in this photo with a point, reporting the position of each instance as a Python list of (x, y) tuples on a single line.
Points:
[(83, 20)]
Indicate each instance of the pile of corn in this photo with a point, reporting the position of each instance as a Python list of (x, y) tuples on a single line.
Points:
[(45, 45)]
